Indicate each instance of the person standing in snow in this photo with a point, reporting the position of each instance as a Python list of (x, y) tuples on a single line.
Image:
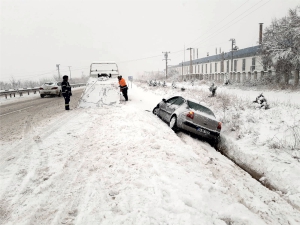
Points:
[(123, 87), (66, 91), (213, 89)]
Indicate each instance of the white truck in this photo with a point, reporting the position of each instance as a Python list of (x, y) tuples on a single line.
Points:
[(102, 87)]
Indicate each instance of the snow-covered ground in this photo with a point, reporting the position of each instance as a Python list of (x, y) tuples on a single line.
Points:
[(266, 142), (122, 165)]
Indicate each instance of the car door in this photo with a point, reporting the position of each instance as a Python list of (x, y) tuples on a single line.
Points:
[(171, 108), (165, 108)]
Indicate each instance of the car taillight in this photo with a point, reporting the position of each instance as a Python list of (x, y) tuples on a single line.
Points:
[(54, 88), (190, 115), (219, 126), (41, 88)]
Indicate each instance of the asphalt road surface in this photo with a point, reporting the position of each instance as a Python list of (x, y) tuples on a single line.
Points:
[(18, 118)]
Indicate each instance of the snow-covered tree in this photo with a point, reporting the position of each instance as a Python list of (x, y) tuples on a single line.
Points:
[(281, 43)]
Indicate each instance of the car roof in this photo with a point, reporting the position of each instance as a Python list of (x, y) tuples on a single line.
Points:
[(190, 99)]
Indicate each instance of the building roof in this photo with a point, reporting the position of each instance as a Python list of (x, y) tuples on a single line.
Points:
[(245, 52)]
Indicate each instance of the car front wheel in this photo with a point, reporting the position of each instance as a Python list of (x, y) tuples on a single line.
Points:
[(173, 123), (155, 111)]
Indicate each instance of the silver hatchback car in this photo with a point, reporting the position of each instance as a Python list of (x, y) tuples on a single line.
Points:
[(190, 116)]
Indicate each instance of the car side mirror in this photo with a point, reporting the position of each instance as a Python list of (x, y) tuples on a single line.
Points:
[(164, 100)]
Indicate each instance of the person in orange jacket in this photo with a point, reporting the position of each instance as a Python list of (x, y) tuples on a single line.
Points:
[(123, 87)]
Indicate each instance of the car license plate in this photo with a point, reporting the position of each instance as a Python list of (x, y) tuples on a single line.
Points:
[(47, 92), (203, 131)]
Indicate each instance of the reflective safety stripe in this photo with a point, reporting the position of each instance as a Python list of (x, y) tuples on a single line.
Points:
[(66, 104)]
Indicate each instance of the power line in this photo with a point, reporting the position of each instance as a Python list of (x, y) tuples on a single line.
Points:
[(133, 60), (220, 21), (224, 28)]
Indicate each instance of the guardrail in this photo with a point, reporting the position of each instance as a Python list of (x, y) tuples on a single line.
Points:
[(21, 91)]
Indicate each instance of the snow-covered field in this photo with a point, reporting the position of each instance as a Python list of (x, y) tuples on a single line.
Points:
[(122, 165)]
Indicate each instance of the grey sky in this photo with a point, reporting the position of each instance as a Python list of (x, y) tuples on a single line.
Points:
[(37, 35)]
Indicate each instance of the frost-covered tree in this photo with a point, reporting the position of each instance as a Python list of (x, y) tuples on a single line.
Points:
[(281, 45)]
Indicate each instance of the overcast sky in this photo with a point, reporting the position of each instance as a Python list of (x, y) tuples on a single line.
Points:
[(38, 34)]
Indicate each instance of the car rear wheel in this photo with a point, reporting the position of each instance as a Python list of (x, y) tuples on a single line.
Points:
[(216, 143), (155, 111), (173, 123), (42, 96), (59, 94)]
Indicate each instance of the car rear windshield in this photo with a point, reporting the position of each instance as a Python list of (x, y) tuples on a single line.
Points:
[(49, 83), (200, 108)]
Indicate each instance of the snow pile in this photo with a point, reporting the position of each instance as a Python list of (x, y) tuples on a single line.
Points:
[(100, 91)]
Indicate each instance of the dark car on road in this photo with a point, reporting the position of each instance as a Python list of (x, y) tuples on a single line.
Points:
[(188, 115)]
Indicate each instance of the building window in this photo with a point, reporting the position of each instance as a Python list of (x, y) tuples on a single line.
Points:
[(210, 68), (253, 64), (235, 65), (216, 65), (244, 65), (202, 69), (205, 68), (227, 66), (222, 66)]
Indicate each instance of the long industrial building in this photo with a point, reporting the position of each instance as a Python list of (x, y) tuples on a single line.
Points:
[(237, 66)]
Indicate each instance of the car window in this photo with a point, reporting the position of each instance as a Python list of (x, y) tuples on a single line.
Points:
[(59, 84), (179, 101), (172, 100), (49, 83), (200, 108)]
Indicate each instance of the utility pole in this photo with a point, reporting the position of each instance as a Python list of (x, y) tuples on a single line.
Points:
[(166, 58), (70, 72), (191, 67), (184, 53), (233, 48), (57, 65), (182, 69)]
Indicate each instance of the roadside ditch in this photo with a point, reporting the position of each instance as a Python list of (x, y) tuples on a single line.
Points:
[(224, 148)]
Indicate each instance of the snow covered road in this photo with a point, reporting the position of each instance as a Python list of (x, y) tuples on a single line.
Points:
[(19, 114), (122, 165)]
